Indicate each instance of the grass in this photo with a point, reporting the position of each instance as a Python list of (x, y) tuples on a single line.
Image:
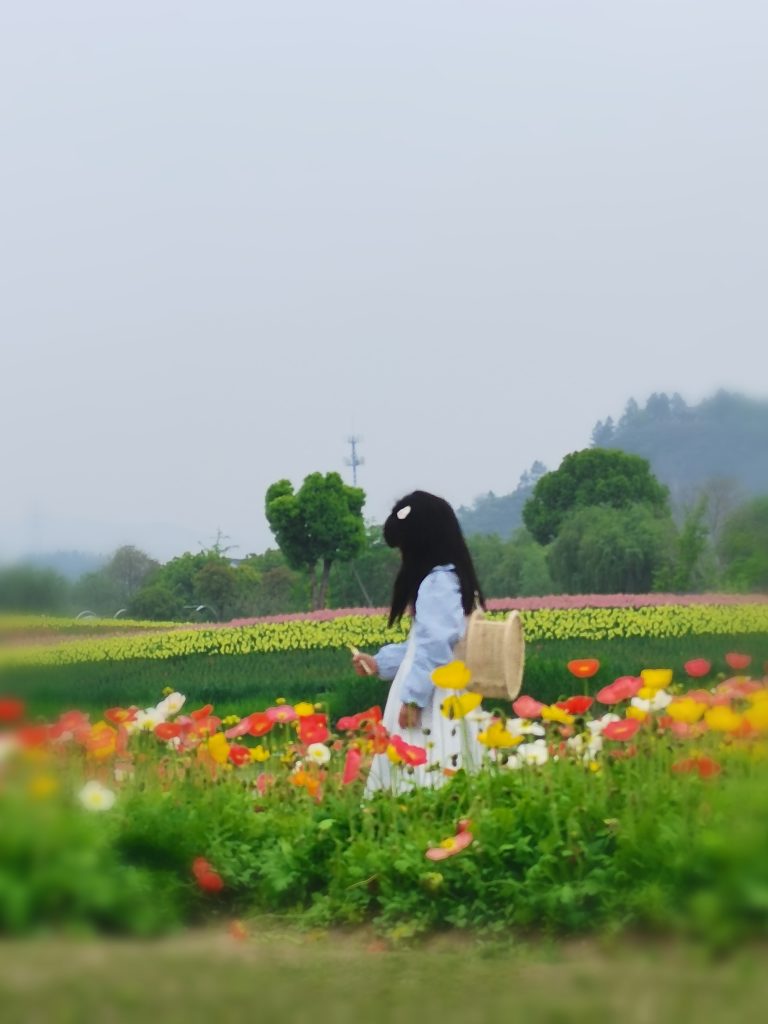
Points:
[(282, 975), (237, 683)]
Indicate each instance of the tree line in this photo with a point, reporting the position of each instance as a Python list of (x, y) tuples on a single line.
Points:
[(600, 523)]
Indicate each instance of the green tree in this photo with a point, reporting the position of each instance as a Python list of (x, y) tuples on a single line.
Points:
[(743, 546), (694, 567), (513, 568), (26, 588), (594, 476), (113, 586), (368, 579), (604, 550), (317, 525)]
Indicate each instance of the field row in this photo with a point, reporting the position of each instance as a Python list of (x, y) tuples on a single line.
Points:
[(371, 631)]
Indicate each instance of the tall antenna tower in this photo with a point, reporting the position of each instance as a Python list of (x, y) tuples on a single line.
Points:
[(355, 460)]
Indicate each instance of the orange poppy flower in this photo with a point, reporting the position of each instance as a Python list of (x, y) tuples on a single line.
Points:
[(583, 668)]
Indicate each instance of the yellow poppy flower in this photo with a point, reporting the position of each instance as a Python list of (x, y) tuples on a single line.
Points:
[(757, 716), (458, 707), (637, 713), (552, 713), (722, 719), (453, 676), (218, 748), (497, 735), (304, 708), (686, 710), (259, 753), (656, 678)]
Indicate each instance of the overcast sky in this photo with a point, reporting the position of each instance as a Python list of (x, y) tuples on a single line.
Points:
[(235, 232)]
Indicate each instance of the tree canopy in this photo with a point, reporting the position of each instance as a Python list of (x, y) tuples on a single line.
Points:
[(594, 476), (317, 525)]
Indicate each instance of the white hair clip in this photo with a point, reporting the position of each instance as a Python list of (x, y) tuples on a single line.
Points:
[(402, 513)]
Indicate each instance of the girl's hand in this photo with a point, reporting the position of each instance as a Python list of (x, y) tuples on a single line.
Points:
[(364, 664), (409, 717)]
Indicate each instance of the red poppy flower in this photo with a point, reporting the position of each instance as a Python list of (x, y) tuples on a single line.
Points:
[(313, 729), (260, 723), (622, 730), (33, 735), (239, 755), (705, 767), (206, 876), (118, 716), (11, 710), (350, 723), (698, 667), (527, 707), (281, 713), (620, 689), (379, 737), (408, 752), (583, 668), (351, 766), (624, 753), (737, 661), (575, 705), (167, 730), (71, 721), (201, 713)]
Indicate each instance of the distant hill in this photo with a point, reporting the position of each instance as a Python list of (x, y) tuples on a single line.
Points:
[(719, 446), (69, 564), (723, 438), (502, 514)]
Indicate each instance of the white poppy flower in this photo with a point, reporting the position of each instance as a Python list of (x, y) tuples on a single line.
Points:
[(172, 704), (95, 797), (534, 753), (147, 719), (319, 753), (525, 727), (657, 702)]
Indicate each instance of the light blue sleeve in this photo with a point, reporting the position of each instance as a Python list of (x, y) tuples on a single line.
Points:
[(389, 659), (438, 624)]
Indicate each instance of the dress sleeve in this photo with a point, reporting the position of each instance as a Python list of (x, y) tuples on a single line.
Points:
[(389, 658), (438, 624)]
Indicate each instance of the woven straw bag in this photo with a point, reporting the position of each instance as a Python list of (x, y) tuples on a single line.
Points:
[(494, 652)]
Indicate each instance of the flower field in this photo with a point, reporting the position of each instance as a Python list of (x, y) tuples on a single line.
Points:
[(639, 800), (659, 621)]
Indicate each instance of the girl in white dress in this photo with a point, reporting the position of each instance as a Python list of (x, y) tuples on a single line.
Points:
[(438, 584)]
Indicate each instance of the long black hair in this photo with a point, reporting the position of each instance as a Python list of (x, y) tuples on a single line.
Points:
[(427, 532)]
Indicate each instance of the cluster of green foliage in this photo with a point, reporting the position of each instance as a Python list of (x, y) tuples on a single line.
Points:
[(559, 851), (606, 525)]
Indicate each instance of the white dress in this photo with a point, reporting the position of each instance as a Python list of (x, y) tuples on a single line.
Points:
[(439, 623)]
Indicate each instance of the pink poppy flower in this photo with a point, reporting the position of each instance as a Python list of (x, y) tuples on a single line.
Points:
[(351, 766), (737, 661), (450, 847), (620, 689), (697, 667), (281, 713), (527, 707)]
